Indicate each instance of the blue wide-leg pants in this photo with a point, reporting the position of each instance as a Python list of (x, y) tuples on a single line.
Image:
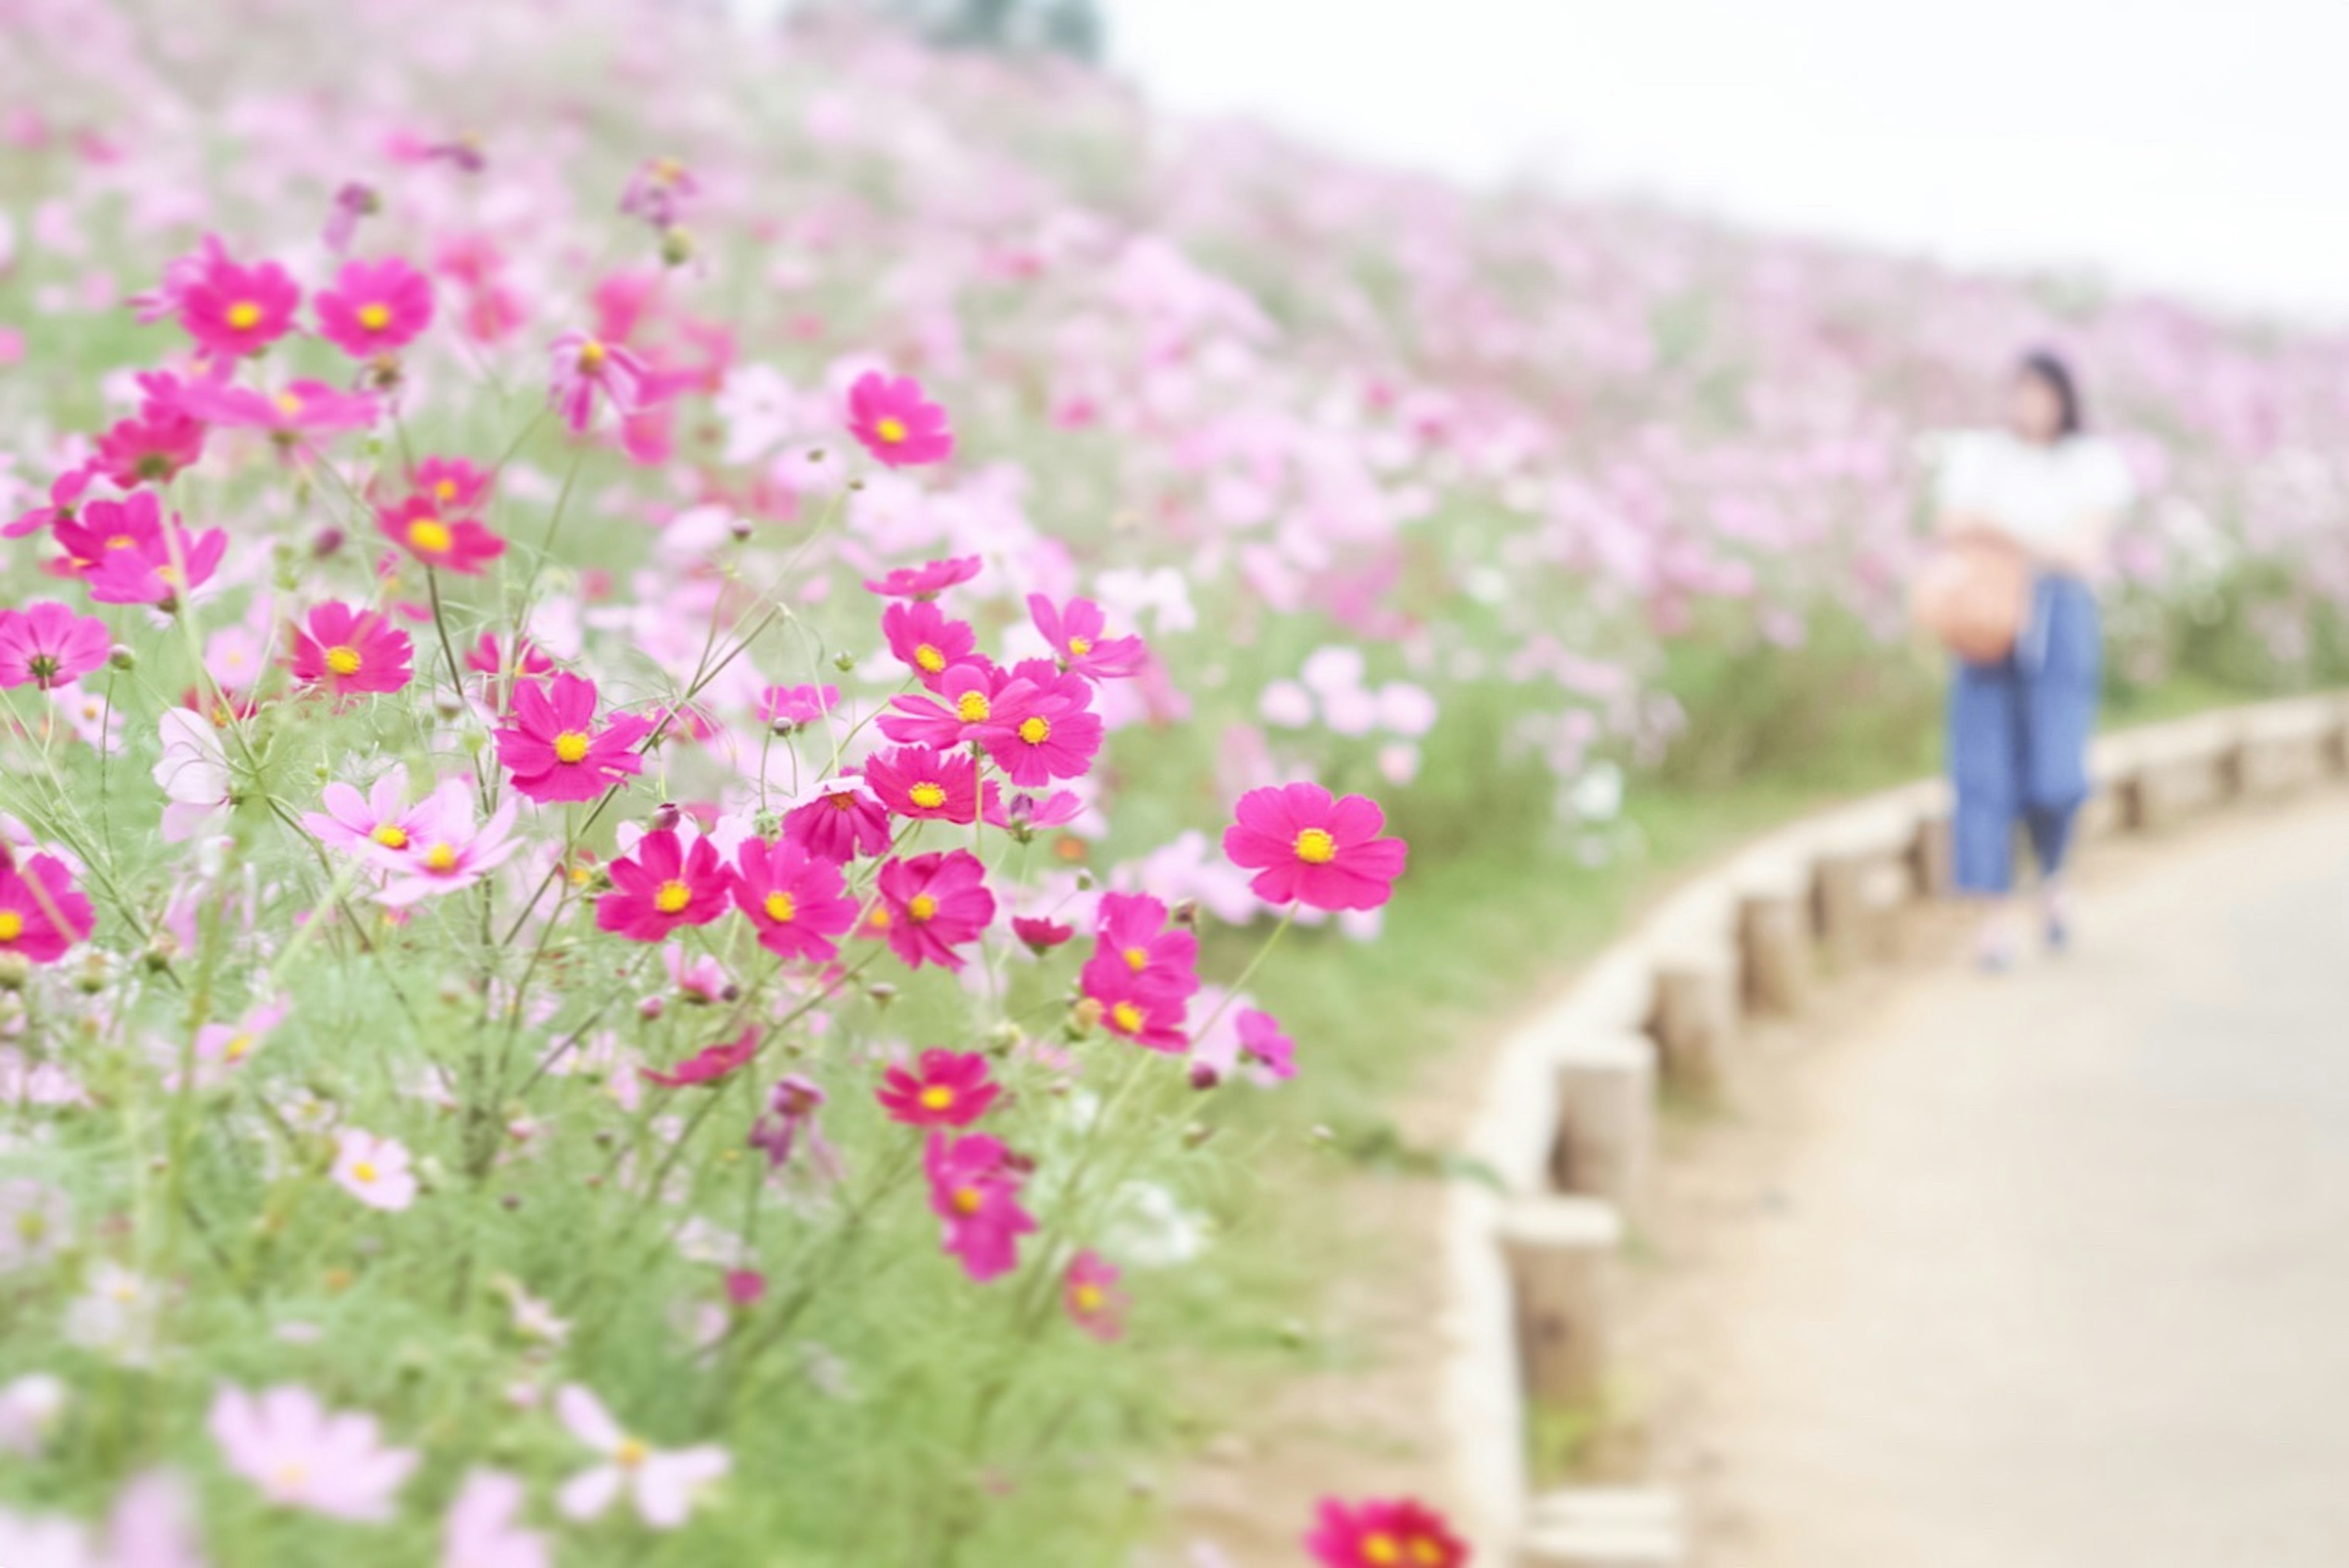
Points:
[(2019, 734)]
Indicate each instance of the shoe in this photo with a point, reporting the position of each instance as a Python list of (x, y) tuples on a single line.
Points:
[(1994, 951), (2059, 923)]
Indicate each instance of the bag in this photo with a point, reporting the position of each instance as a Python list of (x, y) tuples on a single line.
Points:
[(1973, 597)]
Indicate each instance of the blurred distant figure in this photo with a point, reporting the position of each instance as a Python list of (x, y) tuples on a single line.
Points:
[(2032, 505)]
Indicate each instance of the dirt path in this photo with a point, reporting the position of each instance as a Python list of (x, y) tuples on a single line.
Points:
[(2043, 1271)]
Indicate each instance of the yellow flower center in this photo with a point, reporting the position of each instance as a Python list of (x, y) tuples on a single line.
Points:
[(120, 541), (237, 1048), (343, 660), (929, 658), (1315, 847), (1035, 730), (444, 490), (390, 835), (937, 1097), (632, 1453), (1081, 646), (32, 1225), (364, 1171), (291, 1474), (969, 1200), (244, 316), (929, 796), (1089, 1299), (592, 355), (1424, 1551), (1136, 959), (972, 707), (288, 404), (169, 573), (921, 908), (375, 317), (780, 907), (672, 897), (12, 925), (440, 857), (891, 430), (1381, 1549), (431, 535), (1127, 1018), (571, 747)]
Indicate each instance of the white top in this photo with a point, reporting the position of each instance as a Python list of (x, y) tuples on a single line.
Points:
[(2040, 494)]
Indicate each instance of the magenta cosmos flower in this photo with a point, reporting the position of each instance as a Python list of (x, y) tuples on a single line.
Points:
[(375, 307), (305, 408), (1040, 728), (797, 705), (798, 901), (456, 544), (347, 650), (129, 555), (840, 821), (662, 886), (932, 904), (661, 1482), (451, 483), (1089, 1292), (892, 419), (946, 1089), (958, 707), (1398, 1533), (927, 581), (231, 310), (555, 752), (1308, 848), (41, 915), (711, 1064), (1134, 938), (151, 448), (925, 641), (580, 366), (924, 784), (1079, 641), (46, 644), (300, 1454), (1262, 1041), (976, 1190), (65, 499), (1137, 1007)]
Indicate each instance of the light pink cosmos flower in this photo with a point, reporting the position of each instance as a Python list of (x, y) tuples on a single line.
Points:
[(374, 1170), (222, 1048), (448, 851), (484, 1528), (30, 1409), (302, 1455), (580, 366), (894, 421), (662, 1483), (375, 307), (379, 823), (49, 645), (927, 581), (193, 775), (1088, 1291)]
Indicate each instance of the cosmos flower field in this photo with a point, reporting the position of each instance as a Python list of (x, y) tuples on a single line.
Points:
[(670, 692)]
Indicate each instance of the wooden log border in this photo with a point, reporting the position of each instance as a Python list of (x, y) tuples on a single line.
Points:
[(1566, 1127)]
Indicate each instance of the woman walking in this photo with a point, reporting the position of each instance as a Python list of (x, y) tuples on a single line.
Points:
[(2037, 501)]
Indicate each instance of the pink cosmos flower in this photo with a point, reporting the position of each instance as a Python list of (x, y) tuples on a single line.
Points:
[(379, 823), (662, 886), (976, 1190), (448, 852), (925, 641), (581, 365), (926, 785), (129, 555), (797, 705), (662, 1482), (710, 1065), (962, 711), (148, 449), (181, 274), (657, 191), (41, 915), (457, 544), (1262, 1041), (302, 1455), (349, 650), (843, 819), (791, 1112), (47, 644), (375, 307), (231, 310), (1308, 848), (798, 901), (1134, 938), (65, 498), (193, 775), (924, 581), (933, 904), (1041, 729), (1078, 641), (352, 202), (1136, 1007), (222, 1048), (1088, 1291), (1041, 935), (896, 423), (305, 409), (1379, 1533), (483, 1529), (103, 526), (374, 1170), (451, 484), (949, 1089), (551, 746)]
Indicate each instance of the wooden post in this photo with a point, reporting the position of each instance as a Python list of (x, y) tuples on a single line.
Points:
[(1561, 1257), (1607, 1121), (1695, 1020), (1774, 932), (1933, 857), (1847, 908), (1605, 1527)]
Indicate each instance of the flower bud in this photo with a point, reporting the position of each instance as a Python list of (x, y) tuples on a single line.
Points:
[(1002, 1037), (650, 1008), (122, 657), (881, 993), (15, 969), (1085, 1017), (665, 817), (1196, 1134), (1204, 1077), (843, 663), (677, 246), (327, 542), (739, 529), (1185, 912)]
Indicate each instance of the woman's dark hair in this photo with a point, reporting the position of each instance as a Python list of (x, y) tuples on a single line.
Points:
[(2050, 371)]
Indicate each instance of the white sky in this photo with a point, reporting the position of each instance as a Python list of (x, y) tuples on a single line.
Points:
[(2202, 145)]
